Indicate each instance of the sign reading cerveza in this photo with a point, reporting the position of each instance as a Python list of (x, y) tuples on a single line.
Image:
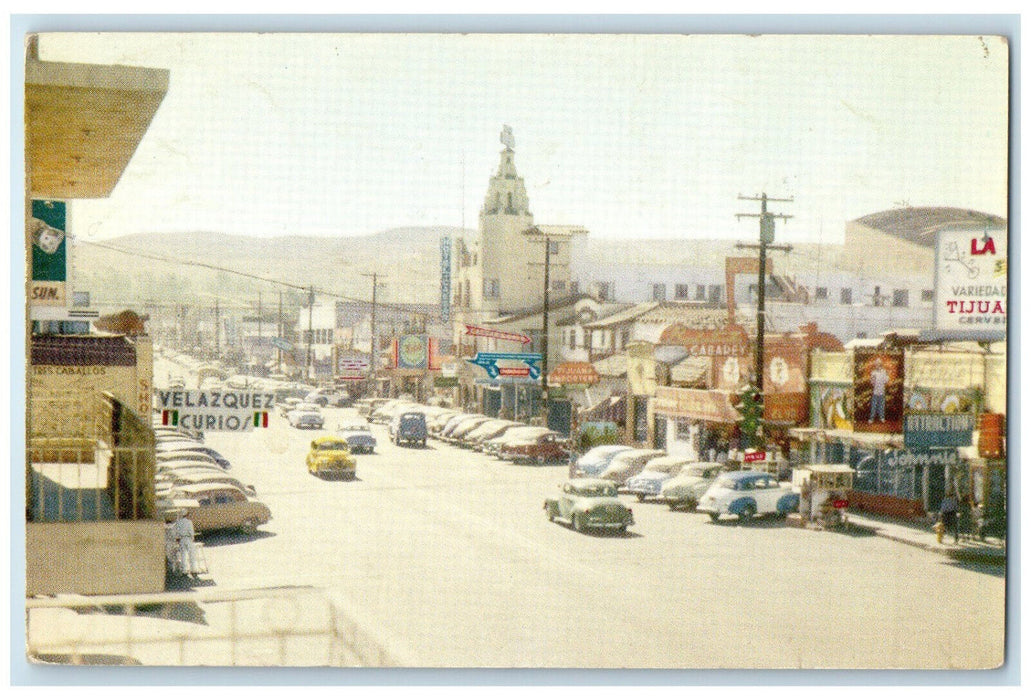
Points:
[(923, 430), (215, 409)]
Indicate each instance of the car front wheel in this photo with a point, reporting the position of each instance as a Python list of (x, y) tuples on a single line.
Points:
[(578, 522), (746, 513), (714, 516)]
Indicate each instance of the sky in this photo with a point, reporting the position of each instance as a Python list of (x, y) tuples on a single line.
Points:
[(632, 136)]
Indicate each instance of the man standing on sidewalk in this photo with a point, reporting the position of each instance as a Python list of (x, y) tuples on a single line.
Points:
[(948, 511)]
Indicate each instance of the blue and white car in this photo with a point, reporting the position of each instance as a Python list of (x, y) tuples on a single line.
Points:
[(359, 438), (747, 494), (596, 460), (656, 473)]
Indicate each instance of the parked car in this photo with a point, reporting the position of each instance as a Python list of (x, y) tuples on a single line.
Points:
[(519, 434), (595, 460), (359, 438), (545, 448), (329, 456), (287, 405), (627, 464), (458, 433), (329, 396), (687, 487), (747, 494), (366, 407), (305, 415), (408, 428), (437, 423), (589, 503), (291, 391), (174, 478), (488, 431), (655, 473), (203, 462), (173, 447), (216, 507), (162, 459)]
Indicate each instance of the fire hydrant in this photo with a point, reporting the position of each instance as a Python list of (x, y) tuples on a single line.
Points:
[(939, 530)]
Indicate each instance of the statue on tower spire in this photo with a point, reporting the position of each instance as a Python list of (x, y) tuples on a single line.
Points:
[(507, 137)]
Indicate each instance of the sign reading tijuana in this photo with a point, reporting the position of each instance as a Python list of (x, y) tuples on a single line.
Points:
[(574, 373)]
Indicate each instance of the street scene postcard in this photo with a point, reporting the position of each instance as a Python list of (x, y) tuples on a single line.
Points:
[(516, 351)]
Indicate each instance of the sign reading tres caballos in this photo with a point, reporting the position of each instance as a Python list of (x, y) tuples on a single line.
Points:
[(971, 276)]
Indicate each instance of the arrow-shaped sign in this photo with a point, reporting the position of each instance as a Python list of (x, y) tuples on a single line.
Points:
[(488, 360), (499, 335)]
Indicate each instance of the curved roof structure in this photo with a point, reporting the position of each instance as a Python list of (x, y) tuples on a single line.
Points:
[(920, 224)]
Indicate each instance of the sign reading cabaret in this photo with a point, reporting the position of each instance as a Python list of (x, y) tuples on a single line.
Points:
[(970, 282), (922, 430), (729, 341), (699, 404)]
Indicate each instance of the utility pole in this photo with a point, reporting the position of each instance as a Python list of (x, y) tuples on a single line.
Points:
[(307, 362), (260, 337), (279, 335), (373, 345), (218, 335), (544, 330), (766, 229)]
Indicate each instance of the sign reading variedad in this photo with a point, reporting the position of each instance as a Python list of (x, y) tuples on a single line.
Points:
[(923, 430), (496, 334), (214, 410), (488, 361), (49, 253), (574, 373), (970, 282)]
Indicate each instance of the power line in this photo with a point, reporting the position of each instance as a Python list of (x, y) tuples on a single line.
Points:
[(267, 280)]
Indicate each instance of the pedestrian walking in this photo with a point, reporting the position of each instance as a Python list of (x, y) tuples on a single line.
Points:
[(949, 517)]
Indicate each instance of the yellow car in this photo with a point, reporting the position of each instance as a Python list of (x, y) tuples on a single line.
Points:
[(330, 457)]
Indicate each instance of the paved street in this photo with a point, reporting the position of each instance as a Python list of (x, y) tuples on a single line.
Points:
[(448, 555)]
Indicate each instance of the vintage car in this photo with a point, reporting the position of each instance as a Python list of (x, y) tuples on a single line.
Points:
[(330, 457), (627, 464), (329, 396), (408, 428), (454, 432), (595, 460), (747, 494), (221, 506), (194, 447), (589, 503), (495, 446), (305, 415), (288, 404), (359, 438), (171, 479), (687, 487), (548, 447), (488, 431), (166, 458), (656, 472)]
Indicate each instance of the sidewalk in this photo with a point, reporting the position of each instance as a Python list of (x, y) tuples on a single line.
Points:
[(992, 550)]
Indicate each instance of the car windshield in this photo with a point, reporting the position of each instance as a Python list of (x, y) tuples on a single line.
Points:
[(356, 428), (701, 472), (307, 407), (727, 484), (597, 491), (331, 445)]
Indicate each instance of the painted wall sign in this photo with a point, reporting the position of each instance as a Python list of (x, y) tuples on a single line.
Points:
[(215, 410), (412, 352), (700, 404), (970, 281), (348, 366), (574, 373), (925, 430), (878, 393), (49, 253), (498, 335), (731, 340)]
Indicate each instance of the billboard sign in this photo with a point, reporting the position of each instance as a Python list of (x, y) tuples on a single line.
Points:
[(878, 397), (49, 252), (488, 361), (445, 278), (413, 352), (970, 282), (925, 430)]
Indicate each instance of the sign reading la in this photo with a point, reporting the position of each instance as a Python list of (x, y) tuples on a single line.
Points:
[(971, 281)]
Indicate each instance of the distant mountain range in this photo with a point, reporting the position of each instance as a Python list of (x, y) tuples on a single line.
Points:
[(155, 269)]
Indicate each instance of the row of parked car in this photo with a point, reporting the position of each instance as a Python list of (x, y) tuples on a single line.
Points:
[(506, 439), (193, 479), (590, 500)]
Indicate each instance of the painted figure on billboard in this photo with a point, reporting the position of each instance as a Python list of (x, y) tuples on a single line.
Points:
[(878, 392)]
